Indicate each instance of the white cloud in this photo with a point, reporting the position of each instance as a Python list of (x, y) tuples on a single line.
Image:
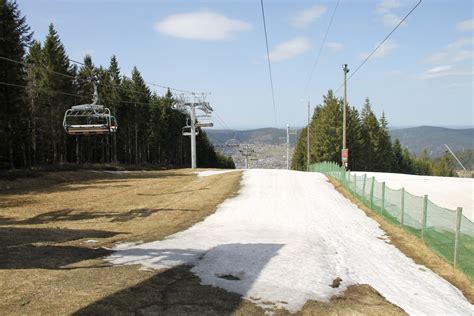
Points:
[(445, 71), (461, 84), (200, 25), (385, 10), (461, 43), (465, 26), (462, 56), (383, 50), (305, 17), (290, 49), (391, 20), (455, 52), (385, 6), (439, 69), (335, 47), (436, 58)]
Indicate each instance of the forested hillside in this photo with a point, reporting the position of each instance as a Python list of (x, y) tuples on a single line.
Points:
[(433, 138), (368, 139), (38, 83)]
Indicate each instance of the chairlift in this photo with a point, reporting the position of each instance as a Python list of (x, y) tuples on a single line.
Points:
[(233, 142), (86, 119), (187, 131), (204, 121)]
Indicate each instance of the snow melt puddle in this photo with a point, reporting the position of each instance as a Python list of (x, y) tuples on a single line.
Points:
[(286, 238), (208, 173)]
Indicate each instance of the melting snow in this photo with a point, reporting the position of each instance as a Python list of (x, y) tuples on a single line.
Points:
[(208, 173), (448, 192), (286, 238)]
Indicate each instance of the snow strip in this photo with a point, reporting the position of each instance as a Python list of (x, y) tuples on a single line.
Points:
[(448, 192), (286, 237), (208, 173)]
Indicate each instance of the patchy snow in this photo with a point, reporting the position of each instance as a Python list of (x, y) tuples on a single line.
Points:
[(208, 173), (285, 238), (446, 192), (118, 171)]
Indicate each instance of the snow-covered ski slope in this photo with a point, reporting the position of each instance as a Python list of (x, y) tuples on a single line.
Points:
[(287, 236), (446, 192)]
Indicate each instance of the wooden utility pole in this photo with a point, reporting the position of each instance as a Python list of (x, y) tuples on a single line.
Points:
[(345, 156), (307, 140)]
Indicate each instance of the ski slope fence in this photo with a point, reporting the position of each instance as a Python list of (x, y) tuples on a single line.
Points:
[(449, 233)]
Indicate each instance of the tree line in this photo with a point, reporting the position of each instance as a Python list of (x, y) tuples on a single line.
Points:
[(39, 83), (368, 140)]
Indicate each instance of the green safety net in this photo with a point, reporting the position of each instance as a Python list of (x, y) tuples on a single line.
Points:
[(421, 217)]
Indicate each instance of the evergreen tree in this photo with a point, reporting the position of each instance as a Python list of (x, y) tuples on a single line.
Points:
[(355, 141), (15, 36), (150, 130), (55, 90), (370, 134), (384, 152), (298, 161), (33, 76), (327, 136), (442, 167), (398, 162)]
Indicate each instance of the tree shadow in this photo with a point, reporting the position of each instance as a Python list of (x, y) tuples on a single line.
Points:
[(84, 180), (173, 192), (178, 291), (33, 248), (66, 215)]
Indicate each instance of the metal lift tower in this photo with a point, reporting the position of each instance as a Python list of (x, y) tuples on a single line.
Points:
[(198, 103)]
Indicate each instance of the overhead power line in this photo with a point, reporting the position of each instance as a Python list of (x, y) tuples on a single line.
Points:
[(380, 44), (269, 63), (321, 48)]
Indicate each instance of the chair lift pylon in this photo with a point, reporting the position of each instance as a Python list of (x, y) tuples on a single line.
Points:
[(87, 119)]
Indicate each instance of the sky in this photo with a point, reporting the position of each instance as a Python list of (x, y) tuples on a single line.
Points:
[(423, 75)]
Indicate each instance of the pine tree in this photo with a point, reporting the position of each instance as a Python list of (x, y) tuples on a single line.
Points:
[(355, 141), (327, 136), (298, 160), (384, 154), (442, 167), (54, 90), (15, 36), (398, 162), (33, 76), (370, 134)]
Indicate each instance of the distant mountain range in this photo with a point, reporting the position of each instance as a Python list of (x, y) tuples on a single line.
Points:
[(414, 138), (433, 138), (267, 136)]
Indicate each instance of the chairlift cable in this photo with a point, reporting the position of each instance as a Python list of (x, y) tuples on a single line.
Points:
[(269, 63)]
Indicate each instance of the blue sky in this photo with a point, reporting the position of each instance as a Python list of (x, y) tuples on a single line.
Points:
[(422, 76)]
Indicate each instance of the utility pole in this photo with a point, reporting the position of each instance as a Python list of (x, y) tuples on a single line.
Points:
[(288, 133), (287, 147), (345, 152), (307, 140)]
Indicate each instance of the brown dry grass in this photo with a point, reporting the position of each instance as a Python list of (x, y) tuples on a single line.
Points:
[(415, 248), (48, 264)]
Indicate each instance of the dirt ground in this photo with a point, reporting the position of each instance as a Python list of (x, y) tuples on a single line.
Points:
[(55, 229)]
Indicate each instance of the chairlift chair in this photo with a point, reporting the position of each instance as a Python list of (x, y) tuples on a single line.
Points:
[(87, 119), (187, 131)]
